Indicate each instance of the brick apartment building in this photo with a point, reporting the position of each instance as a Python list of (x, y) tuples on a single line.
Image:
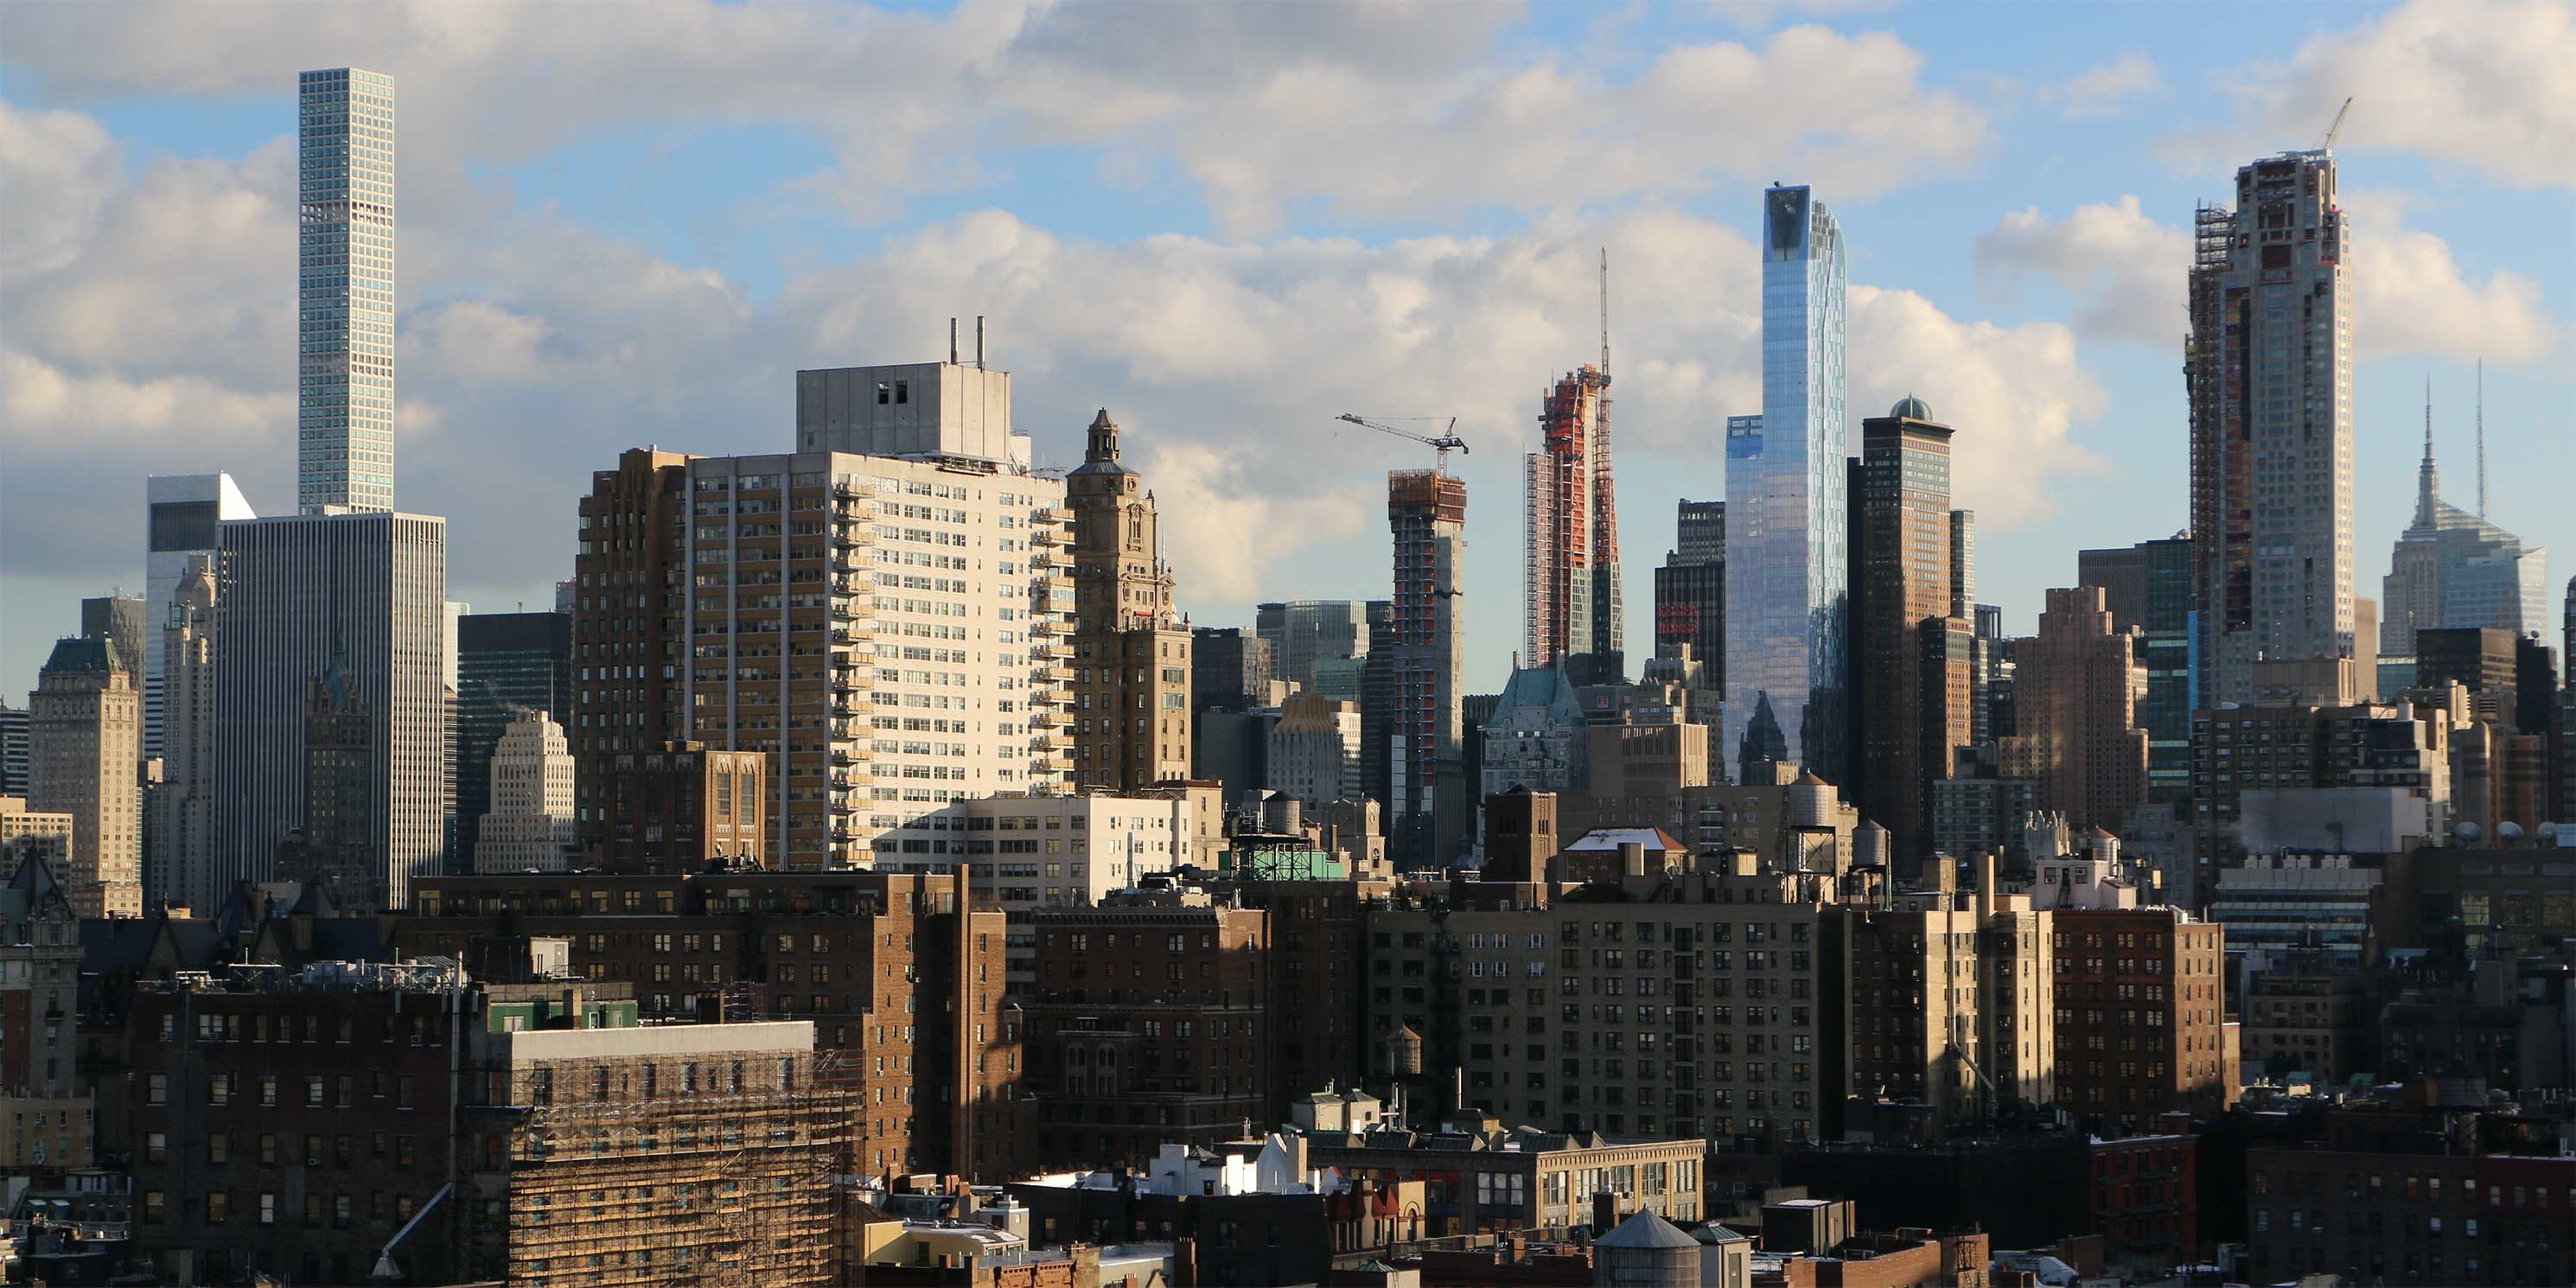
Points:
[(906, 996), (1149, 1022), (2141, 1015)]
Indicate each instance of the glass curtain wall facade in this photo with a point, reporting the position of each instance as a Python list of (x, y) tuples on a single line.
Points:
[(1786, 506), (344, 370)]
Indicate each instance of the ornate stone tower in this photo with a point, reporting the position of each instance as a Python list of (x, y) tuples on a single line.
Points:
[(1131, 653)]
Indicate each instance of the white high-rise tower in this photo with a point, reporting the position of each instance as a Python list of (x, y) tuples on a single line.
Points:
[(344, 366)]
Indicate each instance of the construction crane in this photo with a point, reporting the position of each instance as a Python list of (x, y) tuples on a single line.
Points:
[(1441, 444), (2337, 127)]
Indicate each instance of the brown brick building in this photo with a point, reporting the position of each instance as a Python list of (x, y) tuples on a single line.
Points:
[(905, 995), (2412, 1197), (1130, 651), (1150, 1023), (2076, 699), (2141, 1015), (677, 806)]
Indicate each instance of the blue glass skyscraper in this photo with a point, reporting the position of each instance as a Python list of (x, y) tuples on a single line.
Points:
[(344, 370), (1786, 508)]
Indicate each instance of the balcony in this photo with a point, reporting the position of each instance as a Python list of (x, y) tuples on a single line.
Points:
[(1044, 535), (1056, 650), (844, 756), (1040, 719), (852, 493), (850, 708), (1055, 514), (1050, 626), (1056, 674)]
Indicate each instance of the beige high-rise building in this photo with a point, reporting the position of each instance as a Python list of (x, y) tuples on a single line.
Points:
[(2078, 691), (530, 826), (880, 625), (85, 738), (1130, 652)]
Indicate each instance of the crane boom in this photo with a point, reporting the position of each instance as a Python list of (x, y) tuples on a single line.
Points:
[(2337, 127), (1441, 444)]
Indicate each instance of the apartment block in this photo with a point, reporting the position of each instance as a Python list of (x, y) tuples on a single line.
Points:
[(1945, 999), (48, 1120), (2141, 1015), (904, 992), (871, 624), (1688, 1005), (1149, 1022)]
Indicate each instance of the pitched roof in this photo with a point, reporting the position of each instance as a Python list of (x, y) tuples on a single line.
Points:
[(1646, 1230)]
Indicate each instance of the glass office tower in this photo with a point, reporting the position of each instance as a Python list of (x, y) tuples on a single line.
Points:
[(1786, 507)]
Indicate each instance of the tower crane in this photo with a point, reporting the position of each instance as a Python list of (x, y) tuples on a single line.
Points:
[(1441, 444), (2337, 127)]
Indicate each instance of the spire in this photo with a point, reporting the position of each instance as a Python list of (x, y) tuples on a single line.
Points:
[(2427, 483)]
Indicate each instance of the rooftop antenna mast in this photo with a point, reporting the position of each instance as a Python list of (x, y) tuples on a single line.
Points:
[(2482, 438)]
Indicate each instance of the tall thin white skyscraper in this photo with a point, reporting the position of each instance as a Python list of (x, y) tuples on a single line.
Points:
[(1786, 507), (344, 368)]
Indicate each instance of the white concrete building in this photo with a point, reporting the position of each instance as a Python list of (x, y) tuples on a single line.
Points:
[(530, 827)]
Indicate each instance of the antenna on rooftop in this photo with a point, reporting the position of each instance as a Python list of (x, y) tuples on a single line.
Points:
[(2482, 438)]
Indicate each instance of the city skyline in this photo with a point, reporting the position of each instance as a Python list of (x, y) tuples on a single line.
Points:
[(2070, 373)]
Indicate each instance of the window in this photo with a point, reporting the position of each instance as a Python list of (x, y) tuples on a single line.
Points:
[(268, 1209), (218, 1207), (158, 1090)]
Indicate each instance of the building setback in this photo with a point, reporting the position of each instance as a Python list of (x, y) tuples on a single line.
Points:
[(1303, 632), (184, 517), (530, 826), (2267, 366), (2147, 587), (294, 597), (179, 853)]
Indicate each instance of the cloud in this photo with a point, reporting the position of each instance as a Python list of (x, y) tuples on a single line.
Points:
[(2482, 84), (541, 342), (63, 165), (2105, 88), (1392, 111), (2125, 274)]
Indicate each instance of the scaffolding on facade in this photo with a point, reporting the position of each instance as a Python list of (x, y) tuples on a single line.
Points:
[(724, 1170)]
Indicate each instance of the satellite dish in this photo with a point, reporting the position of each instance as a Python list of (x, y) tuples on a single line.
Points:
[(2508, 831), (2468, 831)]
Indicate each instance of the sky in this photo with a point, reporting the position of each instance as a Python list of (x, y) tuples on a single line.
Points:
[(628, 224)]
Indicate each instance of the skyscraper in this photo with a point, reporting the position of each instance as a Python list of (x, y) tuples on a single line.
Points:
[(1690, 589), (1303, 632), (507, 664), (1570, 538), (2453, 569), (85, 731), (2267, 368), (13, 750), (120, 618), (1910, 689), (1427, 511), (301, 598), (1130, 652), (530, 824), (344, 450), (2076, 714), (1785, 507), (184, 518), (179, 856), (2147, 587)]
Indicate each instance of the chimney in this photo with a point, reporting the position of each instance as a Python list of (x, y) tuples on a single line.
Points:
[(1985, 886), (979, 342), (952, 342)]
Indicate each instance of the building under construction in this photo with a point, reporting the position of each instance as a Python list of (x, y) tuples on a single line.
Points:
[(695, 1153)]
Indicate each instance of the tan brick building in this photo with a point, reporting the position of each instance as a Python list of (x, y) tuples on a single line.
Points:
[(85, 748), (1130, 652)]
